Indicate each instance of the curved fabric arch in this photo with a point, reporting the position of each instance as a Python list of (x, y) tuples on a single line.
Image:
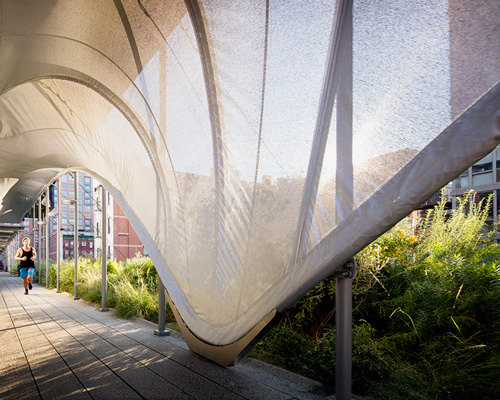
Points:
[(250, 157)]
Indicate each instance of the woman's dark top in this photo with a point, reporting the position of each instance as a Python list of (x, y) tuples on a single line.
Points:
[(28, 263)]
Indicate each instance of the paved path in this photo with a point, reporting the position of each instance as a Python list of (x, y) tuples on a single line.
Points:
[(54, 347)]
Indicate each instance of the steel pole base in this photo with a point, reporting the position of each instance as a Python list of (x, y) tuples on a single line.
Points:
[(162, 333)]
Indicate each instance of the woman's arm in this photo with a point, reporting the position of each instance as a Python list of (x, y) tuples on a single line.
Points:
[(34, 253), (18, 255)]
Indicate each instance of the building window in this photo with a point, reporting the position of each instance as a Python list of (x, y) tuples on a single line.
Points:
[(483, 165), (482, 179), (482, 171), (462, 181)]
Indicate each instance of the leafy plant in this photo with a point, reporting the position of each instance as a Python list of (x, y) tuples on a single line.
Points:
[(426, 313)]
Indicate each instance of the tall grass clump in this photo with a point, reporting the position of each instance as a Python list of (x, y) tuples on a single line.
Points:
[(448, 311), (132, 286), (426, 313), (90, 280), (136, 289)]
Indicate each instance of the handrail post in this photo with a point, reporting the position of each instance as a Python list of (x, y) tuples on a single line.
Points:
[(75, 228), (104, 256), (47, 208), (39, 256), (161, 331), (58, 249), (343, 339)]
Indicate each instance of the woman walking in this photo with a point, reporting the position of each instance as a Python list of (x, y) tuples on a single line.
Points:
[(26, 255)]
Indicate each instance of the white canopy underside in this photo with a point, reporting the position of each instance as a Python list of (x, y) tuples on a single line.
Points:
[(217, 128)]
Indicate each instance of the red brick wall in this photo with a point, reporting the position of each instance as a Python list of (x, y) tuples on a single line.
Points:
[(126, 241)]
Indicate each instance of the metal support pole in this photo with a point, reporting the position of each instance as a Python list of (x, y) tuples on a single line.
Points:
[(39, 241), (75, 240), (345, 197), (34, 224), (343, 344), (161, 331), (343, 340), (104, 257), (47, 207), (58, 233)]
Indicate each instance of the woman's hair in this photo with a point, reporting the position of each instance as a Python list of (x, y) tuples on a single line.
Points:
[(24, 238)]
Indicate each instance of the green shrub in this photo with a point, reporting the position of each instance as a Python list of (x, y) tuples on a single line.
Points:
[(140, 271), (67, 276), (135, 301), (426, 312), (90, 282)]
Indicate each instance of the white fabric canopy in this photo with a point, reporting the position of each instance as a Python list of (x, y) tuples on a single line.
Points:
[(252, 147)]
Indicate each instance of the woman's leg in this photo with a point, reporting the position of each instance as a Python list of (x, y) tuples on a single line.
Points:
[(30, 279), (25, 283)]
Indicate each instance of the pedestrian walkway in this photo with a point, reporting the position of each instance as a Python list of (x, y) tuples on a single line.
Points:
[(55, 347)]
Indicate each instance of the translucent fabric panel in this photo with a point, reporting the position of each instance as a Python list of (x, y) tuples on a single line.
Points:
[(400, 91), (255, 146)]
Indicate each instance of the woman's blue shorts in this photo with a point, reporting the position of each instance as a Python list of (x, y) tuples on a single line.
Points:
[(24, 272)]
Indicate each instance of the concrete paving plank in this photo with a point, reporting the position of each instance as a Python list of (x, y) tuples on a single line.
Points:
[(55, 347)]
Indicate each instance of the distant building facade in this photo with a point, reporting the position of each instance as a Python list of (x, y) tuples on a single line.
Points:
[(474, 49), (126, 243), (84, 217), (483, 178), (121, 239)]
